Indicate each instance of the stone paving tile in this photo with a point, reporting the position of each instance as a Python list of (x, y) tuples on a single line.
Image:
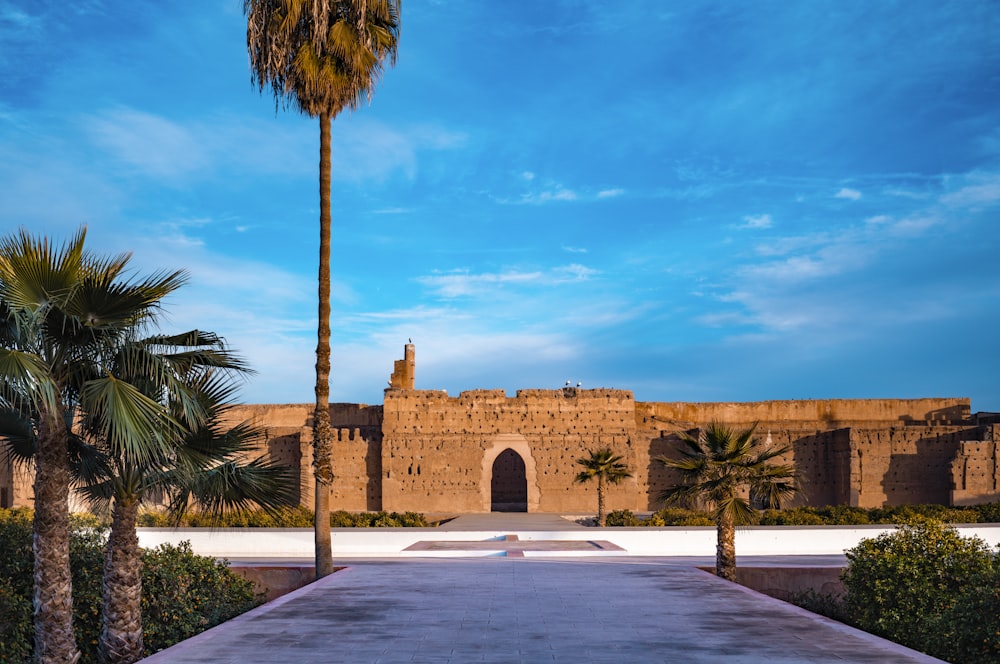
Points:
[(524, 610)]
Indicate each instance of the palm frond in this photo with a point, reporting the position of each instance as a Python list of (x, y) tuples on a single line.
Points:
[(131, 423)]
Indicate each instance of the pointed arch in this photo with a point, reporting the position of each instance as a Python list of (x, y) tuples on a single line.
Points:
[(494, 448)]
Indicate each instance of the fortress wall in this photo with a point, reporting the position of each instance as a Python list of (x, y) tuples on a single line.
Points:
[(438, 451), (821, 460), (975, 470), (901, 465), (824, 414), (356, 441)]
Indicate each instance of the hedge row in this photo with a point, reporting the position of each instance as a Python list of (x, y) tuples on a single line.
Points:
[(838, 515), (923, 586), (183, 593), (292, 517)]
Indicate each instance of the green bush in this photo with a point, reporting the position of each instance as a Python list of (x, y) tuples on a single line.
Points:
[(15, 623), (289, 517), (183, 593), (988, 512), (825, 604), (676, 516), (621, 518), (919, 584), (798, 516), (292, 517)]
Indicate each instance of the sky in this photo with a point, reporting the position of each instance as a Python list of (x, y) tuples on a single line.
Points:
[(692, 200)]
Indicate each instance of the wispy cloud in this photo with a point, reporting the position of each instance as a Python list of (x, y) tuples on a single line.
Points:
[(849, 194), (611, 193), (757, 221), (977, 190), (151, 144), (464, 283)]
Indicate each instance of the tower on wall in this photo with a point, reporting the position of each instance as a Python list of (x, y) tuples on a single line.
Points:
[(404, 370)]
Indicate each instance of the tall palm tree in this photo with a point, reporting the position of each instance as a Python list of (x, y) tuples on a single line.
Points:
[(606, 467), (724, 467), (323, 56), (191, 377), (62, 308)]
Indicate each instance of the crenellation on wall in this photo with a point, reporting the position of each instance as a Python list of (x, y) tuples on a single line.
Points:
[(825, 413), (424, 450)]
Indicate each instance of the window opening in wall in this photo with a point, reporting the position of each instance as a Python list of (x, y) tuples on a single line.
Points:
[(509, 483)]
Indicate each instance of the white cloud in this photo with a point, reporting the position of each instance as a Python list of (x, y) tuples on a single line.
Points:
[(574, 250), (849, 194), (151, 144), (610, 193), (576, 272), (981, 190), (459, 284), (757, 221)]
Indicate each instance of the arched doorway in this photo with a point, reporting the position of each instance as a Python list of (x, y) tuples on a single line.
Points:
[(508, 483)]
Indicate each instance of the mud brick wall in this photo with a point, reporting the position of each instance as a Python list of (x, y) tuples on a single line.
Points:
[(901, 465), (822, 413), (438, 451), (357, 433), (975, 470), (821, 460)]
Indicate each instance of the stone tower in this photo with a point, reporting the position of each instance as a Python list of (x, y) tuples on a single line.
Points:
[(404, 370)]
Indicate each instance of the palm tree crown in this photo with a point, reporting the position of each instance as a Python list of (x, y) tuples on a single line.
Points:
[(606, 466), (725, 467), (63, 312)]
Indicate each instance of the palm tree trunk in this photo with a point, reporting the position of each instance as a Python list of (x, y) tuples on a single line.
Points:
[(322, 435), (55, 640), (725, 550), (600, 501), (121, 602)]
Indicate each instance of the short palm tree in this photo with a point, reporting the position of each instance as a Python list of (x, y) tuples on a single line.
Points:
[(722, 467), (61, 309), (606, 467), (324, 56), (201, 463)]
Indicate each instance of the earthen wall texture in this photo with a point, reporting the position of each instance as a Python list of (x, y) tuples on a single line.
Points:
[(429, 452), (438, 450)]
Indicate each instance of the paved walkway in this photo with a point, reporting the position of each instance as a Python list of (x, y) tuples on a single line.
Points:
[(530, 610)]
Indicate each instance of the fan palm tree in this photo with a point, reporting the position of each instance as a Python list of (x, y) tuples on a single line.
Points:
[(323, 56), (202, 464), (61, 309), (722, 466), (606, 467)]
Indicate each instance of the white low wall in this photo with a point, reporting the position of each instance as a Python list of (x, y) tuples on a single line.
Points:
[(290, 543)]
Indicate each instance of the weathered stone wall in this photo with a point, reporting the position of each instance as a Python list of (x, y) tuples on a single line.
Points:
[(901, 465), (824, 414), (426, 451), (357, 438), (438, 451), (975, 470)]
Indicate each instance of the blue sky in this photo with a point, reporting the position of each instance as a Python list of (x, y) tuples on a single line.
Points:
[(697, 201)]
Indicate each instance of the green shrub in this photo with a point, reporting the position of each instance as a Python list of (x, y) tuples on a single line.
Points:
[(621, 518), (906, 585), (970, 629), (825, 604), (798, 516), (291, 517), (988, 512), (15, 623), (676, 516), (184, 594)]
